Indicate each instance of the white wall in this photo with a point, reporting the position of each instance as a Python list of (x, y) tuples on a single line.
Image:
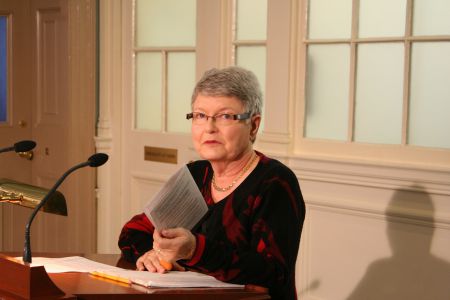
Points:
[(379, 232)]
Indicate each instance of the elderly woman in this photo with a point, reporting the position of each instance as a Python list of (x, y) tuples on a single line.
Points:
[(251, 233)]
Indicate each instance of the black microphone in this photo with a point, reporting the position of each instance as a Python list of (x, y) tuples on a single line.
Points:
[(94, 161), (22, 146)]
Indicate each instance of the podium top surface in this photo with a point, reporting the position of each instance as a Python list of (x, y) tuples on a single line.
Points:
[(86, 286)]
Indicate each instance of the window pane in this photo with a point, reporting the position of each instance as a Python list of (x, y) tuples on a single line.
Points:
[(251, 19), (379, 93), (429, 119), (329, 19), (253, 58), (378, 18), (3, 69), (431, 17), (148, 91), (165, 23), (181, 81), (327, 91)]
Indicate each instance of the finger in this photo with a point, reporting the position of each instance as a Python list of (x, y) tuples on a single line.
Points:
[(147, 262), (165, 264), (142, 263), (171, 238), (163, 244), (150, 262), (160, 242), (172, 233), (156, 235), (153, 263), (180, 247), (160, 263), (149, 266), (159, 267), (156, 245)]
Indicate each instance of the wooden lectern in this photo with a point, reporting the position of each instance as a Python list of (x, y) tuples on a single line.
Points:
[(20, 281)]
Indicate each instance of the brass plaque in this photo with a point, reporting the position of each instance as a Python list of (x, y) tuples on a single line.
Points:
[(164, 155)]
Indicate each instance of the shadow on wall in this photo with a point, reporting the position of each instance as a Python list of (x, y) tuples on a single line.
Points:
[(314, 285), (412, 272)]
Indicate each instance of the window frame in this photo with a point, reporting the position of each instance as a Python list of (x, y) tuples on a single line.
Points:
[(164, 51), (403, 153)]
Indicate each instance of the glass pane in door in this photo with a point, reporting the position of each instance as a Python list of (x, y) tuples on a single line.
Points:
[(251, 19), (148, 91), (253, 58), (164, 23), (180, 83)]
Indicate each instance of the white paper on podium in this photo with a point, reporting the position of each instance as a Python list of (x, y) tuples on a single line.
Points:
[(68, 264), (172, 279), (179, 203)]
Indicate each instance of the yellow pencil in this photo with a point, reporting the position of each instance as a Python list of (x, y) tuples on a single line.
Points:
[(111, 277)]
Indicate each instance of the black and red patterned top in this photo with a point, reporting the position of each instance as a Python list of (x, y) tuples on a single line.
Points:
[(252, 236)]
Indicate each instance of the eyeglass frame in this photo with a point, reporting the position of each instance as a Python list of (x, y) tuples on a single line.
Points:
[(239, 117)]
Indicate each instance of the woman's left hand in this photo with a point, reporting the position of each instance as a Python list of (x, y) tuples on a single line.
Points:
[(174, 243)]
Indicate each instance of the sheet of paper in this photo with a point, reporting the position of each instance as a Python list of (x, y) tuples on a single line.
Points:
[(171, 279), (179, 203), (68, 264)]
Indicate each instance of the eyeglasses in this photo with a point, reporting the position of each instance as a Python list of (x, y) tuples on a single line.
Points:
[(199, 118)]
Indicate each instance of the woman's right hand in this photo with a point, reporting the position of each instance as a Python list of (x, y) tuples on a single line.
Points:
[(150, 261)]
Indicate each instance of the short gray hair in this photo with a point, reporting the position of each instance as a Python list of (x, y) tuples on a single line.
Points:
[(231, 82)]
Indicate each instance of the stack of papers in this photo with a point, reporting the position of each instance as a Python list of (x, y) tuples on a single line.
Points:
[(172, 279), (179, 203)]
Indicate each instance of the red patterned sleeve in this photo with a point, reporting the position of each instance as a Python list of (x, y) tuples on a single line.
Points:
[(136, 237)]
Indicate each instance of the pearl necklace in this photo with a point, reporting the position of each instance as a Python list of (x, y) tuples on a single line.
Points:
[(245, 169)]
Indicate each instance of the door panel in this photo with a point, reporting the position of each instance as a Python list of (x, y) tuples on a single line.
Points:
[(50, 112), (54, 76)]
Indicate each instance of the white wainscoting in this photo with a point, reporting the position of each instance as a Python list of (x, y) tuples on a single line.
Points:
[(358, 216), (143, 188)]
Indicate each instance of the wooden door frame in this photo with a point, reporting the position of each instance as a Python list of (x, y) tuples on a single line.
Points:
[(109, 126), (82, 16)]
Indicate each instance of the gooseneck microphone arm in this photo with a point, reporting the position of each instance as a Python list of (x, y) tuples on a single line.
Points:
[(95, 160)]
